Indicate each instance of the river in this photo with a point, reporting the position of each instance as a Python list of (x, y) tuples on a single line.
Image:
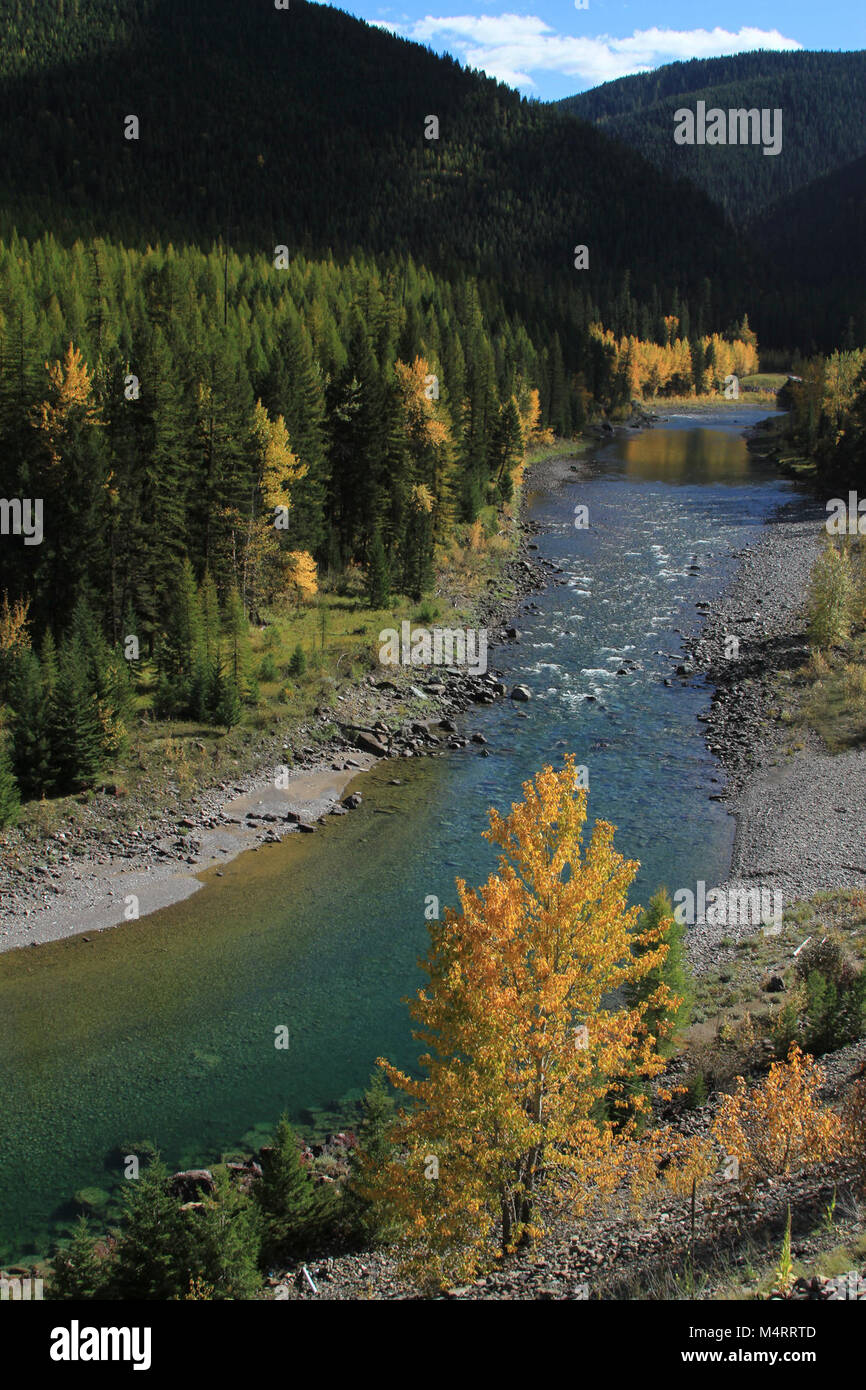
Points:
[(164, 1029)]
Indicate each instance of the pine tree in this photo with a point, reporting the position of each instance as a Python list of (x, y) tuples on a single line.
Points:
[(660, 936), (73, 720), (372, 1151), (153, 1242), (79, 1273), (290, 1206), (298, 662), (31, 739), (378, 576), (9, 798), (225, 1238)]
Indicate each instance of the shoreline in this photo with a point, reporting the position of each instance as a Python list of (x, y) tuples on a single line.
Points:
[(86, 879), (798, 809)]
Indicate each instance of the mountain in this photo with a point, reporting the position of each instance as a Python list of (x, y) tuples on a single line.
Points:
[(306, 127), (820, 94), (816, 236)]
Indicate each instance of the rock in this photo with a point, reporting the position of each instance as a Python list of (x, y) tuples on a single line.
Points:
[(521, 692), (305, 827), (448, 726), (353, 801), (369, 744), (773, 984), (478, 738), (190, 1183)]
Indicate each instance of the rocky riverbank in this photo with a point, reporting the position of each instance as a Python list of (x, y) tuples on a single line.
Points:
[(800, 817), (125, 859)]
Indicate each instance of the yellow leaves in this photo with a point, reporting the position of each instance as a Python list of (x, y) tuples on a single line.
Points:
[(278, 466), (422, 497), (523, 1042), (654, 367), (14, 621), (71, 395), (780, 1125), (302, 575)]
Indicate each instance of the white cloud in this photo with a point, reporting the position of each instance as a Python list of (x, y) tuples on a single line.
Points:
[(512, 47)]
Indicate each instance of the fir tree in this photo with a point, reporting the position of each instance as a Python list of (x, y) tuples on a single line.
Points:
[(9, 797), (378, 576), (79, 1273), (290, 1206), (153, 1242), (657, 927)]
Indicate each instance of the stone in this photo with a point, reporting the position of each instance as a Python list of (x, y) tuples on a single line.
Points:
[(521, 692)]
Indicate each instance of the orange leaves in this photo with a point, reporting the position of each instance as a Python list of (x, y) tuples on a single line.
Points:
[(780, 1125), (523, 1043)]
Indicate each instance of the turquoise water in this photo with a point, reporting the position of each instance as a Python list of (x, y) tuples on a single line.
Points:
[(163, 1029)]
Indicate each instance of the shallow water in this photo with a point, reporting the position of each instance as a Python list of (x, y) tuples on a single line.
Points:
[(164, 1029)]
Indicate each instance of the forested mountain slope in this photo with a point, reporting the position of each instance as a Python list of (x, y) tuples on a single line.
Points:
[(818, 241), (307, 127), (821, 95)]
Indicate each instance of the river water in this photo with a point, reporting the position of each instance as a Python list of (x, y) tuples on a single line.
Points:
[(164, 1029)]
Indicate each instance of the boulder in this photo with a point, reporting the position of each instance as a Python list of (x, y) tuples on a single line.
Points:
[(369, 744), (190, 1183), (521, 692)]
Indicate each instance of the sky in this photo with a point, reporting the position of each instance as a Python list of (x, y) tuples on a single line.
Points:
[(552, 48)]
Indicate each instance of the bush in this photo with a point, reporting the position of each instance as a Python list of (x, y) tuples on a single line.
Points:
[(831, 599), (780, 1125), (834, 994)]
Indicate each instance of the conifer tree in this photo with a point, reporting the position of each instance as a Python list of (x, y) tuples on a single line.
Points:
[(664, 991), (9, 797), (78, 1272), (73, 719), (378, 575), (153, 1242), (287, 1197), (225, 1238)]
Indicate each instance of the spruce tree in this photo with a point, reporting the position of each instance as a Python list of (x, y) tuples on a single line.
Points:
[(153, 1243), (79, 1273), (673, 971), (289, 1203), (9, 798), (378, 574)]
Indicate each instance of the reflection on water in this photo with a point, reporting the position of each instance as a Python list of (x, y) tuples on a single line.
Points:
[(164, 1028)]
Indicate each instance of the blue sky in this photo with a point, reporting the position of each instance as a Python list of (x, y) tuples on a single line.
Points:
[(550, 48)]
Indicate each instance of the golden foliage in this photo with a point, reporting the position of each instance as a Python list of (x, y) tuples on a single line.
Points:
[(652, 368), (524, 1048), (301, 574), (14, 619), (780, 1125), (71, 394), (278, 466)]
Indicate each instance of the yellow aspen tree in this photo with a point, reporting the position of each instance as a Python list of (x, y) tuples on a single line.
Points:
[(522, 1096)]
